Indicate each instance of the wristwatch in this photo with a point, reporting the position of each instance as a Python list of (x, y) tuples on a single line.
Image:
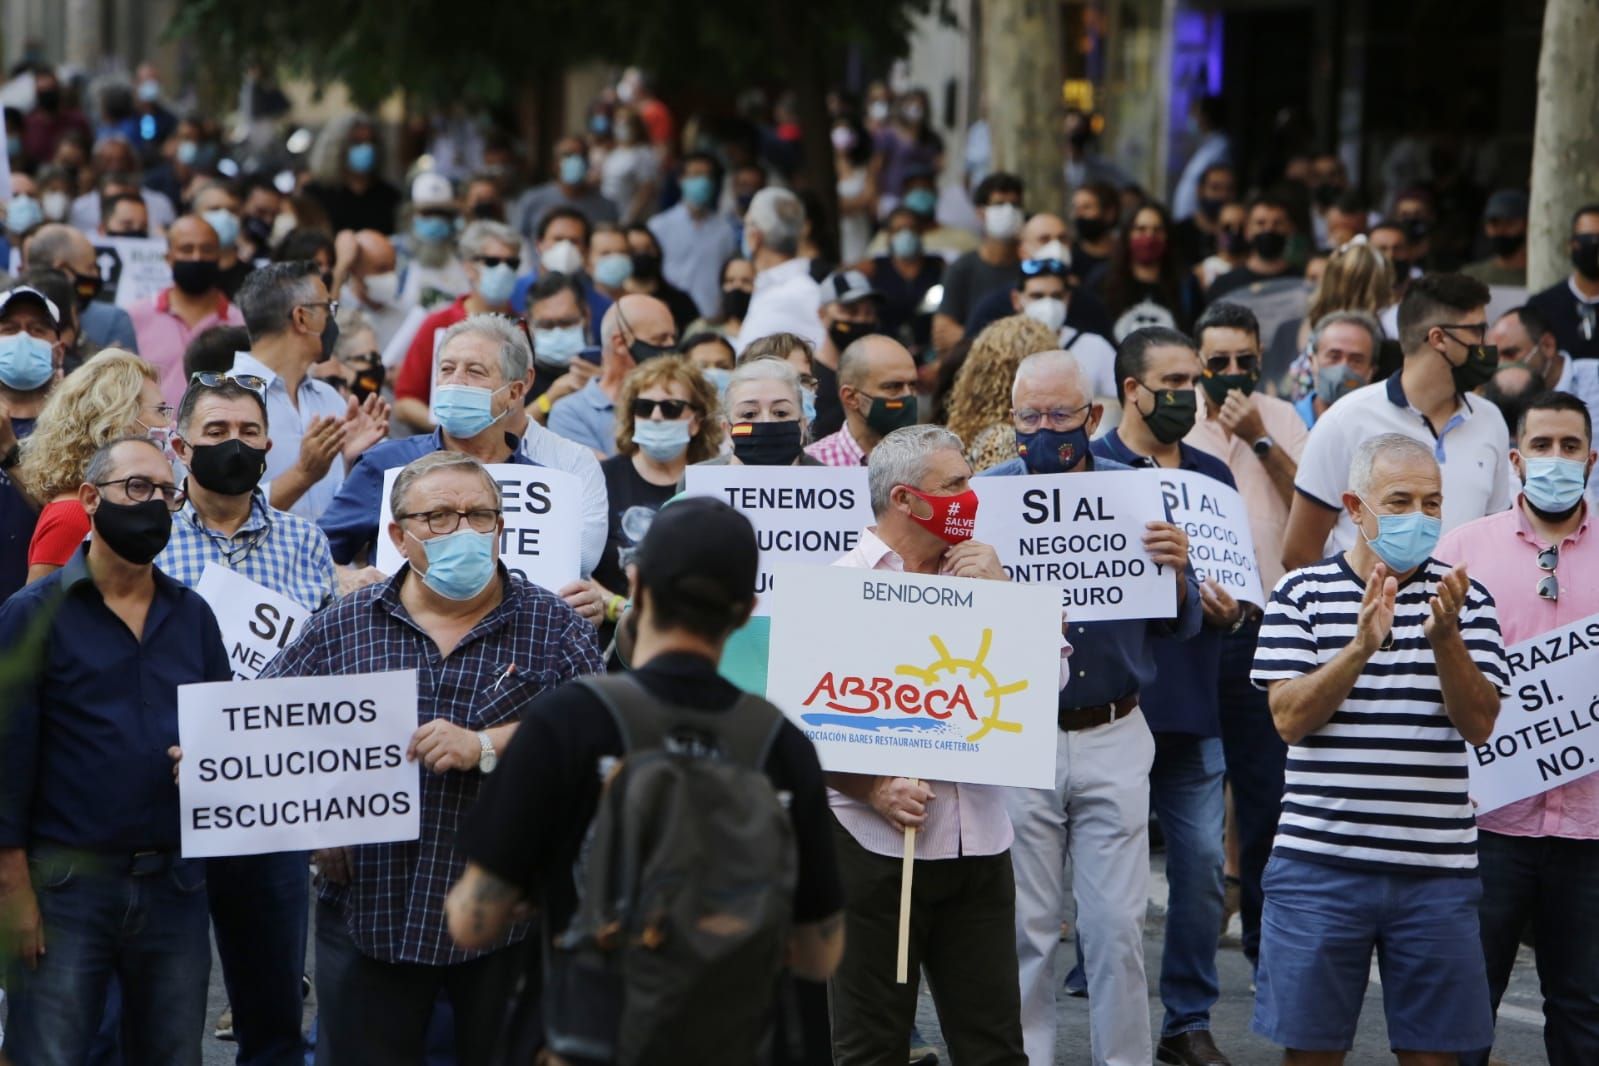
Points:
[(1263, 445), (488, 760)]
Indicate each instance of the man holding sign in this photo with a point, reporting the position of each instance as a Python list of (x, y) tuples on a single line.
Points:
[(1539, 857), (1098, 811), (484, 643), (258, 902)]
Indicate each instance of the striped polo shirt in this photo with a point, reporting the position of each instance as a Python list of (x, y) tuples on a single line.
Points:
[(1383, 784)]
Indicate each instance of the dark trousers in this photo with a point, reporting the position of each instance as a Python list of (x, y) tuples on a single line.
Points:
[(1554, 883), (962, 933), (148, 929), (377, 1013), (1256, 760), (259, 909)]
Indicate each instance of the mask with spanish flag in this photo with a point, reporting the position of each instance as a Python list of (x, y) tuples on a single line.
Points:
[(766, 443), (888, 414)]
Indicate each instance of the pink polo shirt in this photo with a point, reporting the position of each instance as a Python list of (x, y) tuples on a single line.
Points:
[(1501, 551), (163, 337)]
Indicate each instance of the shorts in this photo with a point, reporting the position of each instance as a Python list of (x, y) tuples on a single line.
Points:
[(1317, 933)]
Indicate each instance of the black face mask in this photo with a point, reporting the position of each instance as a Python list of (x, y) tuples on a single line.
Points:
[(1217, 386), (488, 209), (1505, 245), (195, 276), (86, 287), (134, 531), (1325, 194), (1269, 244), (1402, 268), (1585, 255), (48, 99), (735, 303), (1416, 229), (643, 351), (139, 234), (1478, 369), (1173, 414), (230, 468), (259, 232), (1232, 241), (646, 267), (330, 338), (367, 382), (1090, 229), (843, 334), (766, 443)]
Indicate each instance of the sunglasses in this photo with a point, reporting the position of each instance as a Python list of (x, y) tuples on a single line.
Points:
[(672, 410), (1032, 268), (512, 261), (1219, 364), (1549, 584)]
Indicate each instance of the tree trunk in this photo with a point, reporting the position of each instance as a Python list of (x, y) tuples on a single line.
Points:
[(1565, 143), (808, 75), (1021, 76)]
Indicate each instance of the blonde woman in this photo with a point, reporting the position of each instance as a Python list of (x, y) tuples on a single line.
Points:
[(1358, 278), (979, 403), (113, 395)]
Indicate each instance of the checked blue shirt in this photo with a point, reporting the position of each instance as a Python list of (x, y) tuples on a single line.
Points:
[(530, 643), (275, 549)]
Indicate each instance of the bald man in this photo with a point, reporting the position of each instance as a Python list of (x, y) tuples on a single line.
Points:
[(877, 389), (636, 328), (166, 322), (374, 287), (56, 246)]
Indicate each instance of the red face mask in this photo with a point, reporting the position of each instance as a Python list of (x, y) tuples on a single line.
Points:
[(954, 518), (1146, 248)]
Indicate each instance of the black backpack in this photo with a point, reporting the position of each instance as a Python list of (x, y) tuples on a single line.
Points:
[(685, 892)]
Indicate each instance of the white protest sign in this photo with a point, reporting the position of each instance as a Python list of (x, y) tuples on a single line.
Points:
[(256, 622), (543, 523), (132, 268), (1082, 533), (297, 763), (801, 514), (1547, 733), (912, 676), (1220, 545)]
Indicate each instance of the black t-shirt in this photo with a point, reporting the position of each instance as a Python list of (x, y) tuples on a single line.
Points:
[(829, 409), (1193, 243), (230, 279), (902, 296), (1243, 277), (376, 208), (633, 503)]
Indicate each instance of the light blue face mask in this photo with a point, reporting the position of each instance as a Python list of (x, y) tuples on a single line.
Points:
[(662, 441), (26, 363), (718, 376), (464, 411), (808, 405), (460, 564), (905, 244), (1335, 382), (188, 153), (226, 223), (496, 283), (1554, 485), (559, 346), (698, 189), (23, 213), (1404, 541), (432, 229), (574, 168), (361, 158), (613, 270), (744, 249)]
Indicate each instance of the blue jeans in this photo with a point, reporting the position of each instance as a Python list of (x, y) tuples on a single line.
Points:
[(259, 908), (1185, 792), (148, 928), (1256, 758), (1555, 883)]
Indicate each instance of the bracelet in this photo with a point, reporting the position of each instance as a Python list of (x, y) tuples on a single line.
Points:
[(614, 608), (543, 403)]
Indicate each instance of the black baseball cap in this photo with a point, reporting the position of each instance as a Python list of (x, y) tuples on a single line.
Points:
[(702, 551)]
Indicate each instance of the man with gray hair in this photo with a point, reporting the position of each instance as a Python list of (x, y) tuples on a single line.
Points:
[(1381, 664), (786, 297), (1343, 355), (57, 246), (922, 498)]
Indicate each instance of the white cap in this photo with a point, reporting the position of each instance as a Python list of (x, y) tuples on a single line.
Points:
[(432, 189)]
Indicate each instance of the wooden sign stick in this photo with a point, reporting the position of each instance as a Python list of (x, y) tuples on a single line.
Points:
[(907, 868)]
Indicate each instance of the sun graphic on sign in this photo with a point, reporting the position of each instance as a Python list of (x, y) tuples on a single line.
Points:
[(976, 669)]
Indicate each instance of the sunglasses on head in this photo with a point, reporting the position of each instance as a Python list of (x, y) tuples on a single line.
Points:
[(208, 379), (672, 410)]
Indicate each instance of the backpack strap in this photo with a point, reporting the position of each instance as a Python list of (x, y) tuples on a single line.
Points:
[(746, 731), (1068, 345)]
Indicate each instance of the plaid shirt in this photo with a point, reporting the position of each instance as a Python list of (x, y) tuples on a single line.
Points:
[(394, 903), (277, 550), (837, 449)]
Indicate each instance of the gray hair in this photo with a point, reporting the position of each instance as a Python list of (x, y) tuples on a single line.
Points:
[(479, 233), (270, 294), (779, 216), (1395, 447), (102, 465), (417, 469), (514, 352), (764, 368), (1364, 319), (901, 459), (1040, 362)]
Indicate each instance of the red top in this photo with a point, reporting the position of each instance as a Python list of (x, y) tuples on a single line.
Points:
[(415, 378), (62, 526)]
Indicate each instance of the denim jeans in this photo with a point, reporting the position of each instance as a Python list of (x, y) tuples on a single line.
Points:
[(1553, 882), (99, 920), (1185, 790), (259, 909)]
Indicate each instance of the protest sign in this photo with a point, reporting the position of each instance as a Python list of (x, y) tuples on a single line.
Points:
[(1220, 546), (256, 622), (297, 763), (543, 523), (1082, 533), (801, 514), (131, 268), (914, 676), (1547, 733)]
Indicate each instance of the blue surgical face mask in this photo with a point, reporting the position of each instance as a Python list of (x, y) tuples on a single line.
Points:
[(13, 145), (574, 168), (808, 405), (188, 153), (1554, 485), (1404, 541), (460, 564), (432, 229), (495, 283), (226, 223), (23, 213), (718, 376), (613, 270), (905, 244), (464, 411), (1335, 382), (361, 158), (698, 189), (661, 440), (559, 346), (1048, 451), (26, 363), (744, 248), (149, 90), (922, 201)]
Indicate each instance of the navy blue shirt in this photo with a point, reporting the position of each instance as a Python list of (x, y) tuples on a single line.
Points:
[(84, 737), (351, 520), (1183, 697), (17, 519), (1111, 659)]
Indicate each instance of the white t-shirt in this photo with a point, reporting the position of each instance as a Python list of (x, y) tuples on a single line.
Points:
[(1095, 358)]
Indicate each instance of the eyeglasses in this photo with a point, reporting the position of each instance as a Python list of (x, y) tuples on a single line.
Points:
[(141, 489), (1549, 584), (331, 305), (164, 409), (672, 410), (1032, 268), (208, 379), (1059, 419), (512, 261), (1220, 364), (479, 519), (1480, 327)]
